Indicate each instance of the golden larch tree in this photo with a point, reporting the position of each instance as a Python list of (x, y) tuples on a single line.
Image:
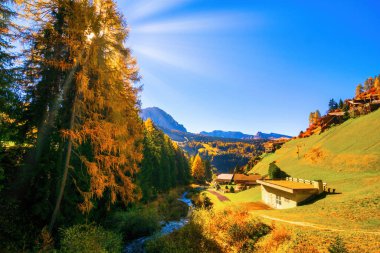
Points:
[(197, 169)]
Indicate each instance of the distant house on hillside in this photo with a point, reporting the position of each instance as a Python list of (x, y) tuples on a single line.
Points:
[(269, 147), (224, 178), (246, 179), (274, 144), (364, 104), (323, 123), (241, 179), (282, 194)]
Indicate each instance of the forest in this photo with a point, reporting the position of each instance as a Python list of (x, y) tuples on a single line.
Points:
[(226, 155), (74, 153)]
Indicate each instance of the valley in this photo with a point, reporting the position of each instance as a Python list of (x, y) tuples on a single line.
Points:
[(225, 150), (277, 147)]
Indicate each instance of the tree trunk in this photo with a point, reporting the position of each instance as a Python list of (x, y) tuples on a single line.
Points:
[(65, 172)]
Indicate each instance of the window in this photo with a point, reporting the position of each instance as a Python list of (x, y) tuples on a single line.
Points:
[(278, 200)]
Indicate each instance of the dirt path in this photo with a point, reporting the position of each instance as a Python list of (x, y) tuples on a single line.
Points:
[(255, 206), (320, 227), (221, 197)]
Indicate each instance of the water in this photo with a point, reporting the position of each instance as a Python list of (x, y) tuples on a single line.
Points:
[(137, 245)]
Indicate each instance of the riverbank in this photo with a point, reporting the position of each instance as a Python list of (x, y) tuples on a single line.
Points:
[(168, 227)]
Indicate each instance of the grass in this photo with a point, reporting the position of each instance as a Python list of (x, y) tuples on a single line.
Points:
[(247, 196), (347, 158), (250, 195)]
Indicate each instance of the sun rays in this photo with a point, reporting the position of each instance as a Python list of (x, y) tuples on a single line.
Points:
[(141, 10), (165, 36)]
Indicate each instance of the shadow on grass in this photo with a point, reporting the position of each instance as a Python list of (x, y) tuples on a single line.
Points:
[(315, 198)]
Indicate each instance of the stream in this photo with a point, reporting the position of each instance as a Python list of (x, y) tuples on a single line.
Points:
[(137, 245)]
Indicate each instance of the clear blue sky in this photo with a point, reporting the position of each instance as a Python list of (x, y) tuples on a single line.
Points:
[(251, 66)]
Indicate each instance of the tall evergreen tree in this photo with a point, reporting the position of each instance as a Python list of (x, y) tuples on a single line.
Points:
[(9, 99), (333, 105), (164, 165), (83, 99), (341, 104), (208, 170)]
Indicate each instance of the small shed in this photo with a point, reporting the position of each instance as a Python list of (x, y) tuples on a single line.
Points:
[(224, 178), (282, 194)]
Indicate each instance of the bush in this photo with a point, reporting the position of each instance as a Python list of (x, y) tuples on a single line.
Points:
[(228, 230), (338, 246), (218, 187), (89, 238), (275, 172), (173, 210), (232, 189), (135, 223), (202, 201), (240, 231), (188, 239)]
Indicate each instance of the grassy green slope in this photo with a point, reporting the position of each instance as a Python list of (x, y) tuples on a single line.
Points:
[(347, 158)]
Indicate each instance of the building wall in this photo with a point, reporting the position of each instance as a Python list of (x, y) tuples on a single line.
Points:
[(223, 181), (281, 200)]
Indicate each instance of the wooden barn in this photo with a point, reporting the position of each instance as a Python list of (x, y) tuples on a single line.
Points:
[(246, 179), (224, 178)]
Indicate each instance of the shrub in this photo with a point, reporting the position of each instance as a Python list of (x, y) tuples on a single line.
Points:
[(338, 246), (275, 172), (218, 187), (135, 223), (173, 210), (279, 237), (188, 239), (88, 239), (228, 230), (240, 231), (232, 189), (202, 201)]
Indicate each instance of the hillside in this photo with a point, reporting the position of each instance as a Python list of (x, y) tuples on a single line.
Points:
[(347, 158), (161, 119)]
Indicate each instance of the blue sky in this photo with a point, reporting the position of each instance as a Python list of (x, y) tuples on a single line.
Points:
[(249, 66)]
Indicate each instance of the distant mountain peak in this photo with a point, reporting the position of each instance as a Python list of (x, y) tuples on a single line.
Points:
[(240, 135), (226, 134), (178, 132), (161, 119), (261, 135)]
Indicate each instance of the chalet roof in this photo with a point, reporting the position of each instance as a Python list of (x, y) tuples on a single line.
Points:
[(287, 186), (242, 177), (336, 113), (225, 176), (354, 102), (268, 144)]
